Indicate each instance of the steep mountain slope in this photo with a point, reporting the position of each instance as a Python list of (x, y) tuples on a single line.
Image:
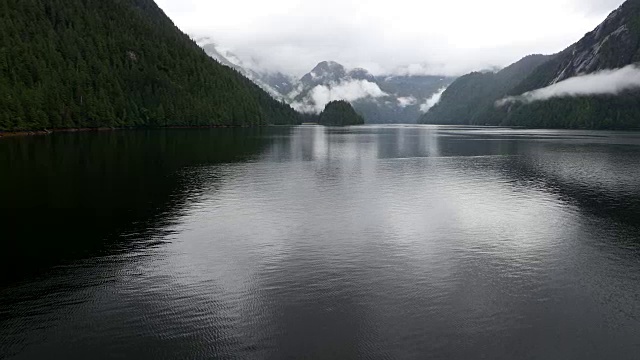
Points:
[(96, 63), (277, 85), (613, 44), (470, 96), (284, 84), (324, 73)]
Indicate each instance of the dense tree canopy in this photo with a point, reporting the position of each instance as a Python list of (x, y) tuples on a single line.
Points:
[(116, 63), (340, 113), (468, 99), (595, 112)]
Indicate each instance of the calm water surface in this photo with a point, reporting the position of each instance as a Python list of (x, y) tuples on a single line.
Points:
[(309, 242)]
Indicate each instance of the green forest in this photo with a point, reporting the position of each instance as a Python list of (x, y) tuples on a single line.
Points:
[(339, 113), (468, 99), (595, 112), (116, 63)]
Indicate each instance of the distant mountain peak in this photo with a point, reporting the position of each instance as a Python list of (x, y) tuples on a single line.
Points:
[(328, 65), (324, 72), (397, 98)]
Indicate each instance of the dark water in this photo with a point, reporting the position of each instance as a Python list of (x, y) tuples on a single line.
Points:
[(308, 242)]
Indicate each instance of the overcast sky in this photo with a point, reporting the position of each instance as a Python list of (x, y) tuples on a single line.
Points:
[(449, 37)]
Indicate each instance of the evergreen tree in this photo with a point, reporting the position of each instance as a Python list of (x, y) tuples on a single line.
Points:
[(340, 113), (106, 63)]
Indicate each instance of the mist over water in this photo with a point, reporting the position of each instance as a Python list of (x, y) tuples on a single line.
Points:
[(374, 242)]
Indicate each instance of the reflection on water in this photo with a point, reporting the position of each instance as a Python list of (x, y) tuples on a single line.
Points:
[(378, 242)]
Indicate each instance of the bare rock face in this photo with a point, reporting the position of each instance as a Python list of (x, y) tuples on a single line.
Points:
[(613, 44), (324, 73)]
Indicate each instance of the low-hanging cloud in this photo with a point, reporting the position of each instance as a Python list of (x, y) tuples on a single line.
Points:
[(349, 91), (606, 82), (432, 101), (405, 101)]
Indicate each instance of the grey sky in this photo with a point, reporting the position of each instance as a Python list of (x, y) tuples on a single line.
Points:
[(401, 36)]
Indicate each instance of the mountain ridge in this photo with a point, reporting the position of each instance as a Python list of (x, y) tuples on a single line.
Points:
[(380, 99), (383, 99), (613, 44)]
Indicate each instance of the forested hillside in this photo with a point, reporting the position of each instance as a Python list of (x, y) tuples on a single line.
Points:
[(594, 112), (471, 96), (613, 44), (116, 63)]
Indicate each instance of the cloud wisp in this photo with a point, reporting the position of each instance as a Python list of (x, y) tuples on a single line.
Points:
[(349, 91), (432, 101), (405, 101), (432, 38), (606, 82)]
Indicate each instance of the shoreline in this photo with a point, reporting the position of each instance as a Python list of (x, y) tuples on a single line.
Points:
[(49, 132), (6, 134), (9, 134)]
